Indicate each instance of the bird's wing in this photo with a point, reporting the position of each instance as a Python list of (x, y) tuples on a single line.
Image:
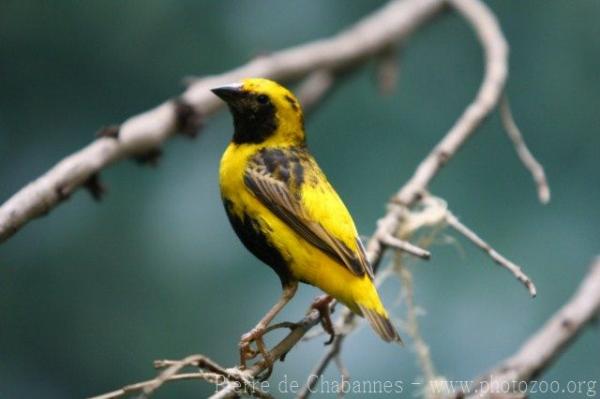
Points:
[(291, 185)]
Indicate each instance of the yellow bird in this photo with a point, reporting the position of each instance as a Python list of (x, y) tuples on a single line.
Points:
[(284, 210)]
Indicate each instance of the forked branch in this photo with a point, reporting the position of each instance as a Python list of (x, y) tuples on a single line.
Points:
[(147, 131), (453, 222)]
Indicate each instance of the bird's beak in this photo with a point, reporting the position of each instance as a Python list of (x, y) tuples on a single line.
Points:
[(229, 93)]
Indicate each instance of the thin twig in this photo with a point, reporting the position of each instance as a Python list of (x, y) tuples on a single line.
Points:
[(140, 386), (213, 373), (453, 222), (407, 247), (173, 367), (528, 160)]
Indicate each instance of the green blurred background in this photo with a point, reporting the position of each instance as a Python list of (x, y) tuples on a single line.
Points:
[(91, 294)]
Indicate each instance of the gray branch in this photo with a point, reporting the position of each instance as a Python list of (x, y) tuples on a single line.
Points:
[(147, 131)]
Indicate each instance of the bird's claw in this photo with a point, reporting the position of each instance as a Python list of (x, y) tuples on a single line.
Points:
[(321, 304), (247, 352)]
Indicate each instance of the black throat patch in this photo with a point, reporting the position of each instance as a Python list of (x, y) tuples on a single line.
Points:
[(253, 122)]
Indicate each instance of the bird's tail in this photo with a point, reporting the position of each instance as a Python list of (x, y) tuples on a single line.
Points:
[(381, 324), (368, 302)]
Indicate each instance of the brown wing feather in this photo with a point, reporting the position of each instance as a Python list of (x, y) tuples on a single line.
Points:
[(274, 193)]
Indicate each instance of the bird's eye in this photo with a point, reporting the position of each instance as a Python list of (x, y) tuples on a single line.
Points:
[(263, 99)]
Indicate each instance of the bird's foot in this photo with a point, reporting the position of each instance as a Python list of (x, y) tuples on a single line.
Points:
[(246, 351), (321, 304), (256, 336)]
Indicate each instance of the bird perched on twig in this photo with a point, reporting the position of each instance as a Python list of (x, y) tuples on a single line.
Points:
[(286, 213)]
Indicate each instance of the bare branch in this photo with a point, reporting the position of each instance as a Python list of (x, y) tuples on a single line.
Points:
[(150, 129), (529, 161), (140, 386), (542, 348), (407, 247), (173, 367), (495, 49), (212, 373), (453, 222), (496, 53)]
